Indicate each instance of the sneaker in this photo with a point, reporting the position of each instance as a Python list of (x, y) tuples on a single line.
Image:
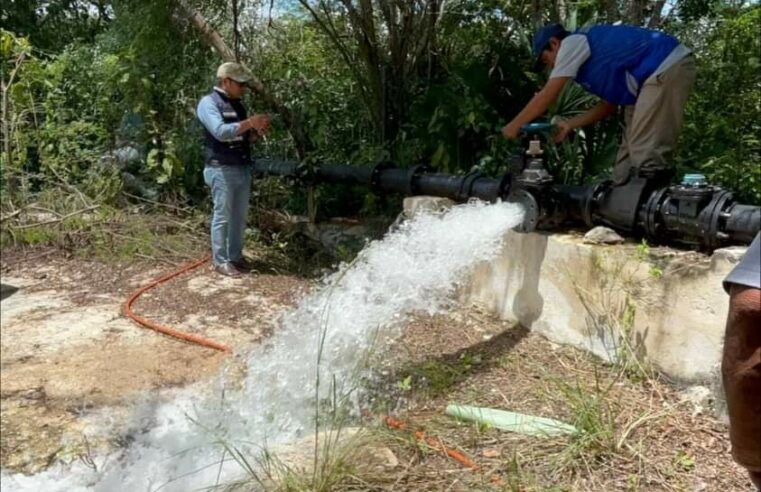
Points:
[(228, 270), (243, 265)]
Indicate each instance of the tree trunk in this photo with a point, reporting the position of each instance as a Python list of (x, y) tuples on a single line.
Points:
[(611, 11), (655, 17), (635, 12), (391, 38), (6, 132)]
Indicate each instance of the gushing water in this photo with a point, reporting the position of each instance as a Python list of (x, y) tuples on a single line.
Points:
[(314, 354)]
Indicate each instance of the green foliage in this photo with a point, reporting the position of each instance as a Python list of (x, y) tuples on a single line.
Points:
[(439, 376), (482, 79), (722, 131), (128, 71), (684, 460), (299, 67), (51, 25), (164, 164), (591, 152), (137, 83)]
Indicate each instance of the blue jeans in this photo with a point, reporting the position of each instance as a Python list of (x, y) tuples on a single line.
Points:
[(230, 189)]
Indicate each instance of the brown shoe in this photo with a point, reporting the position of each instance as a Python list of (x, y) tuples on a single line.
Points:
[(228, 270), (243, 265)]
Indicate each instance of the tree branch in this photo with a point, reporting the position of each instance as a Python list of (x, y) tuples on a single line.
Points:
[(212, 37)]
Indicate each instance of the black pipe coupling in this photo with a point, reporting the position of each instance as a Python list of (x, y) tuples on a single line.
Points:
[(413, 178), (465, 190), (375, 176)]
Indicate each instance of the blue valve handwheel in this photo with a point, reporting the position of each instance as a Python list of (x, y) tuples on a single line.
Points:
[(532, 128)]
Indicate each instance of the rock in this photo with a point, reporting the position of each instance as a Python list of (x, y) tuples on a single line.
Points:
[(416, 204), (372, 457), (699, 397), (136, 186), (126, 157), (491, 453), (602, 235)]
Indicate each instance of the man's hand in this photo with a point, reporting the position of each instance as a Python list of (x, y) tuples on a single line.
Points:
[(260, 123), (563, 129), (511, 131), (536, 107)]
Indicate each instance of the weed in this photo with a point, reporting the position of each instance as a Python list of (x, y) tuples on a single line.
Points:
[(643, 251), (604, 425), (684, 460), (593, 416), (611, 311), (518, 479), (438, 376), (405, 384)]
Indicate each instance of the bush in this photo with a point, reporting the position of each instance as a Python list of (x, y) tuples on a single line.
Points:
[(722, 131)]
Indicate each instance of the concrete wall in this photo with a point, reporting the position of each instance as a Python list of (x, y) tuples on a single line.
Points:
[(669, 303)]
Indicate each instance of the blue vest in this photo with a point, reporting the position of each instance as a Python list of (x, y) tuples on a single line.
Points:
[(233, 153), (621, 60)]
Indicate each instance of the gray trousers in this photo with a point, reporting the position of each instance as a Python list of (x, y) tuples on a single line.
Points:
[(654, 122)]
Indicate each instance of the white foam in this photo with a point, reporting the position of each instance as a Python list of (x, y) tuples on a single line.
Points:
[(414, 268)]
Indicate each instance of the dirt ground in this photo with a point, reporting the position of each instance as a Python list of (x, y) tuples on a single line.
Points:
[(70, 359)]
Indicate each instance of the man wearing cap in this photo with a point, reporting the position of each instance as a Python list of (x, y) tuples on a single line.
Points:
[(648, 72), (228, 134), (741, 363)]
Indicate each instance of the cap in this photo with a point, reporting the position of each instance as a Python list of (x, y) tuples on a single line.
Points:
[(235, 71), (542, 39)]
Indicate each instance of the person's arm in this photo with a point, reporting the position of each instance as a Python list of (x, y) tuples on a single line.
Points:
[(211, 118), (536, 107), (572, 54), (596, 113), (258, 122)]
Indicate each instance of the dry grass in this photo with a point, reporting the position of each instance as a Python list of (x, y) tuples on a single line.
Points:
[(633, 435)]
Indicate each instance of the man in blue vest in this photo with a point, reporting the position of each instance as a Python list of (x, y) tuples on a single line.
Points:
[(648, 72), (228, 134)]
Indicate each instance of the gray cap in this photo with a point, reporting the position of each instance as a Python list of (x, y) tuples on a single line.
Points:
[(235, 71)]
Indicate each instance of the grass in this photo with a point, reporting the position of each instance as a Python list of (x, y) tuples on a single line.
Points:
[(611, 309), (436, 377), (74, 223), (604, 424), (268, 471), (633, 434)]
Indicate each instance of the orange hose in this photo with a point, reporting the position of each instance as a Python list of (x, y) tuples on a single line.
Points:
[(127, 309), (433, 443)]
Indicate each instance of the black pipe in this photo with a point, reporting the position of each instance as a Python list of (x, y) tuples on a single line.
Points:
[(742, 221), (698, 216)]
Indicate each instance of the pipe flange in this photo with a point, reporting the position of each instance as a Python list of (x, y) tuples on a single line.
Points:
[(505, 184), (376, 174), (710, 216), (466, 185), (652, 211), (413, 178), (530, 207), (595, 191)]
